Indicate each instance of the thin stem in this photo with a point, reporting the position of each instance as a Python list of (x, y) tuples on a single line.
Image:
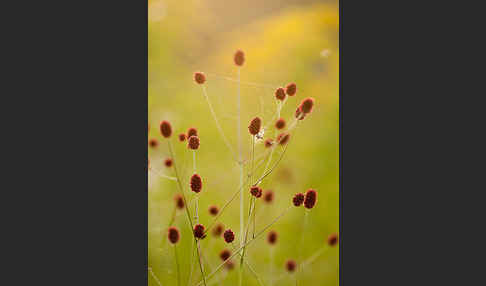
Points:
[(155, 277), (304, 226), (240, 162), (178, 269), (194, 160), (271, 264)]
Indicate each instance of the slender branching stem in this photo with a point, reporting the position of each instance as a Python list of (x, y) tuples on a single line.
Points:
[(154, 276)]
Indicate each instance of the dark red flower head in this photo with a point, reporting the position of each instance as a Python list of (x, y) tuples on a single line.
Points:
[(280, 93), (193, 142), (268, 196), (191, 132), (280, 123), (299, 114), (196, 183), (182, 137), (153, 143), (272, 237), (179, 201), (199, 231), (298, 199), (225, 254), (199, 77), (310, 198), (290, 265), (165, 129), (255, 125), (168, 162), (218, 229), (291, 89), (173, 235), (213, 210), (332, 240), (229, 236), (239, 58), (268, 143), (283, 138), (256, 191), (307, 104)]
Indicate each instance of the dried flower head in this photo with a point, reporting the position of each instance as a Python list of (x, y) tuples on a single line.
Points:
[(165, 129), (225, 254), (229, 236), (272, 237), (153, 143), (307, 104), (229, 265), (290, 265), (256, 191), (193, 142), (179, 201), (280, 93), (268, 196), (239, 58), (182, 137), (199, 231), (332, 240), (268, 143), (283, 138), (299, 114), (298, 199), (255, 125), (191, 132), (199, 77), (196, 183), (310, 198), (213, 210), (218, 229), (168, 162), (291, 89), (280, 124), (173, 234)]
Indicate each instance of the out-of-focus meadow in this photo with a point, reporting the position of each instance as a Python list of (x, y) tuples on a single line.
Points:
[(283, 41)]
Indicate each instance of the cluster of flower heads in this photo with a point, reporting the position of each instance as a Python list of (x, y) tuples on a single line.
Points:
[(309, 199)]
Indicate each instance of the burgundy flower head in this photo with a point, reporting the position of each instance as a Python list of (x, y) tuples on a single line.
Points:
[(182, 137), (255, 125), (332, 240), (307, 104), (298, 199), (268, 196), (179, 201), (280, 124), (280, 93), (168, 162), (199, 231), (218, 229), (256, 191), (299, 114), (199, 77), (213, 210), (268, 143), (153, 143), (283, 138), (229, 236), (239, 58), (165, 128), (196, 183), (191, 132), (291, 89), (272, 237), (290, 265), (310, 198), (193, 142), (173, 235), (225, 254)]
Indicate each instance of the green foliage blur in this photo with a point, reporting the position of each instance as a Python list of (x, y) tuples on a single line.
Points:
[(284, 41)]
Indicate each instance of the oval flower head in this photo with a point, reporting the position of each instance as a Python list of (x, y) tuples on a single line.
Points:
[(199, 77), (291, 89), (225, 254), (256, 191), (307, 104), (272, 237), (310, 198), (199, 231), (193, 142), (298, 199), (290, 265), (255, 125), (239, 58), (196, 183), (218, 229), (182, 137), (179, 201), (280, 94), (191, 132), (213, 210), (165, 128), (332, 240), (173, 235), (229, 236)]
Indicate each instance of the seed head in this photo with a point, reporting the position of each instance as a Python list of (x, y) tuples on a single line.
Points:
[(268, 143), (193, 142), (307, 104), (173, 235), (153, 143), (256, 191), (165, 129), (255, 125), (299, 114), (229, 265), (268, 196), (199, 77), (191, 132), (290, 265), (280, 93), (280, 124), (298, 199), (272, 237), (332, 240), (196, 183), (239, 58), (218, 229), (213, 210), (182, 137), (225, 254), (229, 236), (199, 231), (168, 162), (179, 201), (310, 198), (283, 138), (291, 89)]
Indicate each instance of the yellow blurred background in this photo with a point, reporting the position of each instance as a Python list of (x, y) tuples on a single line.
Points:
[(284, 41)]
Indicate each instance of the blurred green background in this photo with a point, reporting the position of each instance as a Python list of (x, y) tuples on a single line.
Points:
[(284, 41)]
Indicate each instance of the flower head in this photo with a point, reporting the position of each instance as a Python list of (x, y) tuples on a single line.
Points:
[(218, 229), (255, 125), (332, 240), (310, 198), (193, 142), (280, 93), (280, 124), (299, 114), (290, 265), (182, 137), (268, 143), (213, 210), (239, 58), (179, 201), (229, 236), (272, 237), (191, 132), (165, 128), (229, 265), (225, 254), (199, 77), (168, 162), (153, 143), (291, 89), (283, 138), (268, 196), (196, 183), (256, 191), (307, 104), (173, 234), (199, 231), (298, 199)]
